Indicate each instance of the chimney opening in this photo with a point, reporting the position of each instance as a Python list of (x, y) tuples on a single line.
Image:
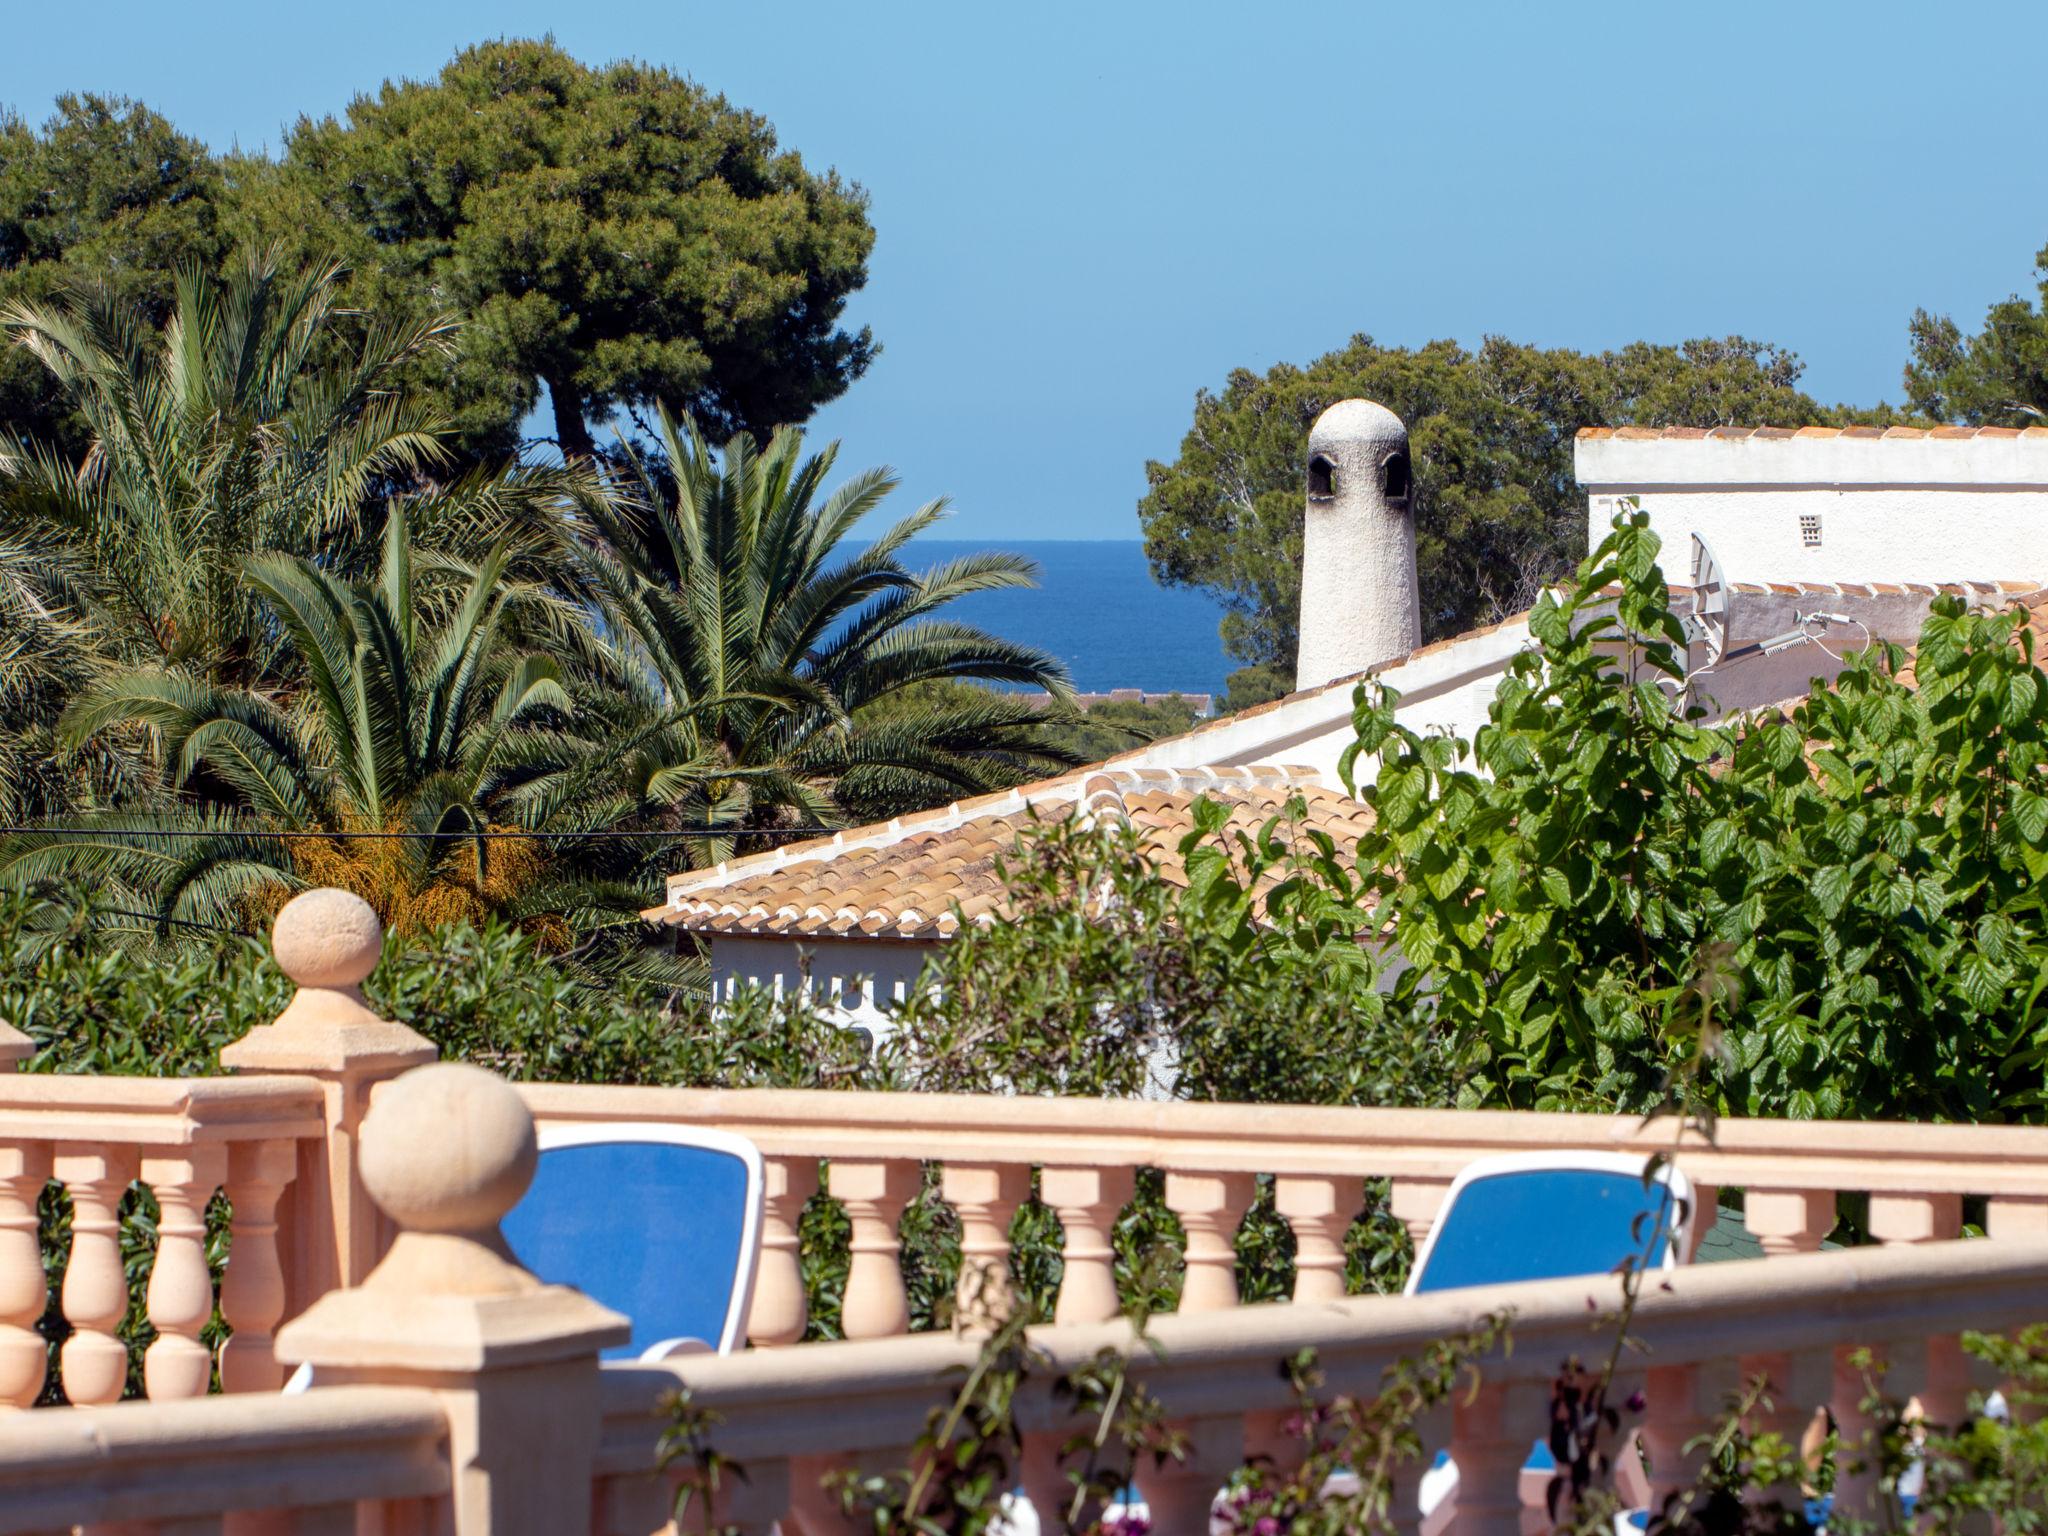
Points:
[(1322, 476), (1395, 477)]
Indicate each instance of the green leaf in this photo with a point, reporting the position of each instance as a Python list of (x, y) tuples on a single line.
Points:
[(1830, 888)]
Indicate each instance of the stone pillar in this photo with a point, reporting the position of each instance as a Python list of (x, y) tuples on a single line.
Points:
[(448, 1150), (15, 1047), (328, 941)]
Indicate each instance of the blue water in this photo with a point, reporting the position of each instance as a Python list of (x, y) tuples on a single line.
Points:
[(1097, 608)]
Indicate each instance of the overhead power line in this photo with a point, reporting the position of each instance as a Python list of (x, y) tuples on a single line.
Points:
[(493, 835)]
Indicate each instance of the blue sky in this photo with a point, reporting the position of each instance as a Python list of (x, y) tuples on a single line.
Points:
[(1088, 212)]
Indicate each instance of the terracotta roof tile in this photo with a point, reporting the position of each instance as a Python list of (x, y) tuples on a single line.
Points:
[(882, 883)]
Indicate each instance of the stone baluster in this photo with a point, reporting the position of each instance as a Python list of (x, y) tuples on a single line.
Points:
[(2021, 1216), (986, 1196), (177, 1364), (813, 1508), (1415, 1203), (1211, 1207), (1680, 1404), (874, 1194), (446, 1151), (95, 1295), (252, 1288), (1857, 1455), (1490, 1437), (328, 941), (1045, 1484), (1180, 1494), (1799, 1385), (1404, 1478), (778, 1314), (24, 1170), (1087, 1201), (1320, 1212), (1788, 1221), (1928, 1218)]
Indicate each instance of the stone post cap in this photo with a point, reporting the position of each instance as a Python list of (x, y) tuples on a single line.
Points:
[(327, 938), (328, 941), (448, 1148), (446, 1151)]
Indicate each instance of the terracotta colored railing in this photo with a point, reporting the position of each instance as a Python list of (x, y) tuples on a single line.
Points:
[(792, 1417), (313, 1465), (185, 1139), (456, 1393), (1086, 1154)]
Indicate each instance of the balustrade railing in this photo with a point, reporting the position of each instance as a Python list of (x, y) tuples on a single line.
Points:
[(185, 1140), (456, 1393), (339, 1462), (790, 1418), (1080, 1158)]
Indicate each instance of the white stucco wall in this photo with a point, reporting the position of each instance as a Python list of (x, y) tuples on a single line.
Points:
[(862, 977), (1890, 509)]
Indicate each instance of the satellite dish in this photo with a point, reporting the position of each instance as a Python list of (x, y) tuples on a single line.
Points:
[(1707, 624)]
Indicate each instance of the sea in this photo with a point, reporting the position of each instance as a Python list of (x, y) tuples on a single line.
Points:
[(1097, 608)]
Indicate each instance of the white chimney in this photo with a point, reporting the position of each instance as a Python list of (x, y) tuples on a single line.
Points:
[(1359, 604)]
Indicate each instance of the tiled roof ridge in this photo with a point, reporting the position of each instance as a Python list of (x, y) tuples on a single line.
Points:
[(1348, 681), (1781, 434), (2019, 591), (1098, 786), (928, 885)]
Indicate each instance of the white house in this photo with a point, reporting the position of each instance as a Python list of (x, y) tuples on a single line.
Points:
[(1900, 516)]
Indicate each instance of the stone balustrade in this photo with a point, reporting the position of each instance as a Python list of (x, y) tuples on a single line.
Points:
[(868, 1150), (790, 1417), (456, 1393), (185, 1140), (329, 1463)]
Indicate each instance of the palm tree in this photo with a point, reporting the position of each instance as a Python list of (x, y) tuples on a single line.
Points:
[(767, 673), (226, 434), (411, 721)]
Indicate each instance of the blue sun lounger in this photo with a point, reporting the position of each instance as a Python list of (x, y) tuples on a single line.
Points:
[(1548, 1216), (659, 1222)]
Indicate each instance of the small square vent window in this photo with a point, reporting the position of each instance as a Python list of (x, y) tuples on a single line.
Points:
[(1809, 529)]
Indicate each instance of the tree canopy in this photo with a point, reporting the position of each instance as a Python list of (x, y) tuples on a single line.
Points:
[(1497, 511), (613, 237), (106, 193), (1997, 377)]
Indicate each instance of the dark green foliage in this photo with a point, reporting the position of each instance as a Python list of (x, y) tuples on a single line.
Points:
[(1835, 915), (1997, 377), (107, 194), (613, 236), (1987, 1466), (760, 669), (1117, 725), (481, 993), (1103, 978), (1260, 683), (1497, 510)]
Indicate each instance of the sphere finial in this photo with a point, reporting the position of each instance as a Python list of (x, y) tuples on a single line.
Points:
[(448, 1148), (327, 938)]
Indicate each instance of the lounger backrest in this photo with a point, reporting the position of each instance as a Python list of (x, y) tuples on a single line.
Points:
[(659, 1222), (1547, 1216)]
